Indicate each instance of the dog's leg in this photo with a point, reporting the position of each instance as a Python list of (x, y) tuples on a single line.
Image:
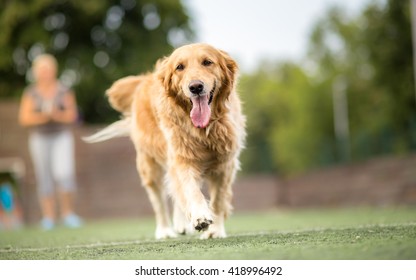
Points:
[(152, 179), (185, 186), (181, 224), (220, 188)]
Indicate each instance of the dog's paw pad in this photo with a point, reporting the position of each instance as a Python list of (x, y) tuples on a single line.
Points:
[(203, 224)]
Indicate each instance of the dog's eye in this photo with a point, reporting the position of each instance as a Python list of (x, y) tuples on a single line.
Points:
[(180, 67), (207, 62)]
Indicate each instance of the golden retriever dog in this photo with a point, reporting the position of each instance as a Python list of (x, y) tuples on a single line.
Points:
[(187, 126)]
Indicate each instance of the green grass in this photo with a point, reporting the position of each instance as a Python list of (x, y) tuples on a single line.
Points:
[(363, 233)]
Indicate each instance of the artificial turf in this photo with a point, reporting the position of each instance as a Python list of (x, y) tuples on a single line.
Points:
[(361, 233)]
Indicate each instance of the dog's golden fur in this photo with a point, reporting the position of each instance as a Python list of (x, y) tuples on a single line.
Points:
[(176, 156)]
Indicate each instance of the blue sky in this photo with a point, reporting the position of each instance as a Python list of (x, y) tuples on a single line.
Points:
[(252, 30)]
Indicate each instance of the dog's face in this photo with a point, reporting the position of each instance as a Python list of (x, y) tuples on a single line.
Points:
[(200, 78)]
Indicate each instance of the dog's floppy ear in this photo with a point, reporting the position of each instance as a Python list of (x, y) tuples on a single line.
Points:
[(164, 73), (230, 70)]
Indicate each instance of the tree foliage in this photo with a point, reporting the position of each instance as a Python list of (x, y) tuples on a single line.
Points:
[(290, 106), (286, 119), (94, 41)]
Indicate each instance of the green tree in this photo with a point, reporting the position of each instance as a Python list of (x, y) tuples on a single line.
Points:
[(337, 50), (290, 106), (259, 94), (373, 52), (96, 42), (289, 120), (388, 36)]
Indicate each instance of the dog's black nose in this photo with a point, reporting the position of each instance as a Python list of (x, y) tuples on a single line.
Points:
[(196, 86)]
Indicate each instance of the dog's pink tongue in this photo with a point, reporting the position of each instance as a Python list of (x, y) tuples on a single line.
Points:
[(200, 113)]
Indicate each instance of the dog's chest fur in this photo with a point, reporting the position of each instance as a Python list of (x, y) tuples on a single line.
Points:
[(209, 147)]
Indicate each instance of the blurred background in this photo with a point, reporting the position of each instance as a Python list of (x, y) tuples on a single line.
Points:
[(328, 90)]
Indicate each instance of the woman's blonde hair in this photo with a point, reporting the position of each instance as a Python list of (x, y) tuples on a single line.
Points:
[(44, 58)]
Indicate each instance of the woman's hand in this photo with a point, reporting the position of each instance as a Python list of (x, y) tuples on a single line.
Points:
[(69, 112), (28, 116)]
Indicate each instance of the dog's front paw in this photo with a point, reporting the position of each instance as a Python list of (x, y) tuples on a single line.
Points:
[(165, 233), (202, 224), (201, 218)]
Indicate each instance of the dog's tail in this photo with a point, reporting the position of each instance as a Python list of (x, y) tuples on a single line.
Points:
[(120, 96), (119, 128), (121, 93)]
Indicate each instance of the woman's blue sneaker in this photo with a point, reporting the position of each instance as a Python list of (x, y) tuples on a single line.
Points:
[(72, 221), (47, 224)]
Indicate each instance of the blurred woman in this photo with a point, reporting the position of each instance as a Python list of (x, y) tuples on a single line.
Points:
[(48, 109)]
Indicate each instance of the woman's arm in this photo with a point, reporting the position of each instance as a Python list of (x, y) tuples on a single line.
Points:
[(28, 116)]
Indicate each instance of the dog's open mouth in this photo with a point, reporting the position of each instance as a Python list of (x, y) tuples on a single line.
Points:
[(201, 111)]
